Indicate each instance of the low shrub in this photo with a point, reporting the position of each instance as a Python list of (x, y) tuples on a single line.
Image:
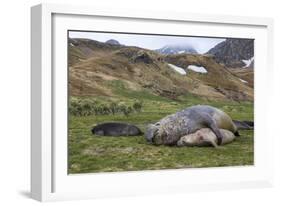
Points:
[(87, 107)]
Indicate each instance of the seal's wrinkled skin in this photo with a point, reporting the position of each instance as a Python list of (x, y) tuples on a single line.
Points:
[(205, 137), (171, 128)]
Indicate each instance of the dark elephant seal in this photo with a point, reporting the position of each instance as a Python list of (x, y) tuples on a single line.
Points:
[(244, 125), (116, 129), (205, 137), (172, 127)]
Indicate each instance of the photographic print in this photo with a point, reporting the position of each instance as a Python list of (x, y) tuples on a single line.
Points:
[(153, 101)]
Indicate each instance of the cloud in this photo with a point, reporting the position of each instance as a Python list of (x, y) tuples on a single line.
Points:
[(201, 44)]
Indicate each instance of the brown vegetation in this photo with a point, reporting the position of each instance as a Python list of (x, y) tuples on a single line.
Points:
[(94, 65)]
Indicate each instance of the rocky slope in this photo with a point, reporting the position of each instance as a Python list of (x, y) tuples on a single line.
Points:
[(234, 53)]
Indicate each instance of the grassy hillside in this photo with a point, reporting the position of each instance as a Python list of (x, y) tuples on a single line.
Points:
[(245, 74), (218, 77)]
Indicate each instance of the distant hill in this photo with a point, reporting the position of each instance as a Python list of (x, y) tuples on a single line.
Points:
[(177, 49), (81, 49), (234, 53), (97, 68), (112, 42)]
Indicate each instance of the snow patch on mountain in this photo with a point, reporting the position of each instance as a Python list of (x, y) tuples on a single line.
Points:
[(248, 62), (242, 80), (197, 69), (177, 69)]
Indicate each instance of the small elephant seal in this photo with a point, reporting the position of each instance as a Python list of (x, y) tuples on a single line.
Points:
[(172, 127), (116, 129), (244, 125), (205, 137)]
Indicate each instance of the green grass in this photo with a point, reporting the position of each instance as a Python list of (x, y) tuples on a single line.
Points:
[(90, 153)]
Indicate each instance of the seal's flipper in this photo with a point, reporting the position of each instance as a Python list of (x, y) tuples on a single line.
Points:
[(249, 123), (209, 122), (214, 144), (242, 125), (217, 132)]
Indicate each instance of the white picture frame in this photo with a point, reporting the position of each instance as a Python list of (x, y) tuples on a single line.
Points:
[(49, 178)]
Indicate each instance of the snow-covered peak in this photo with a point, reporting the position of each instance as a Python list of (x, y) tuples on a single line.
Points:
[(180, 52), (177, 49)]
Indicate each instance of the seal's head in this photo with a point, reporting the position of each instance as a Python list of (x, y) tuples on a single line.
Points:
[(151, 131), (195, 139), (202, 137), (153, 134), (191, 139)]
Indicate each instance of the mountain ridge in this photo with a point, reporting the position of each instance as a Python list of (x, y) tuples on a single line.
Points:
[(95, 68), (234, 53)]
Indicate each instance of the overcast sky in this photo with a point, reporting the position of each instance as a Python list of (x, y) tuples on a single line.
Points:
[(201, 44)]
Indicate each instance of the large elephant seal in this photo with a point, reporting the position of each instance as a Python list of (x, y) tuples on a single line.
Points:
[(205, 137), (172, 127), (116, 129)]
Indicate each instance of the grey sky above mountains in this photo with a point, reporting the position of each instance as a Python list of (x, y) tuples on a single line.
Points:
[(201, 44)]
